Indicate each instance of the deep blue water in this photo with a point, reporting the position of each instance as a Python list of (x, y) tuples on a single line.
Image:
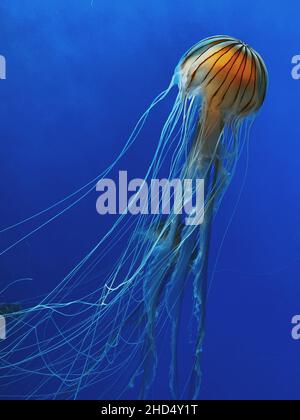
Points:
[(79, 75)]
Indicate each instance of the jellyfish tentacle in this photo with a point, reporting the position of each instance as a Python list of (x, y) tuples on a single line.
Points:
[(153, 286), (200, 268), (217, 181), (174, 298)]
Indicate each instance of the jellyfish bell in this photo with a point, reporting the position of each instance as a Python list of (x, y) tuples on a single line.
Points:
[(227, 73), (230, 78)]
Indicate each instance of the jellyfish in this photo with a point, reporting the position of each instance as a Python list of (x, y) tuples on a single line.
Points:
[(221, 84), (230, 80)]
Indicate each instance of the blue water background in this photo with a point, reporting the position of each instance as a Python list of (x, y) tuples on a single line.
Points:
[(79, 75)]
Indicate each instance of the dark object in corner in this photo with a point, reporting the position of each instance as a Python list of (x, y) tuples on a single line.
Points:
[(9, 308)]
